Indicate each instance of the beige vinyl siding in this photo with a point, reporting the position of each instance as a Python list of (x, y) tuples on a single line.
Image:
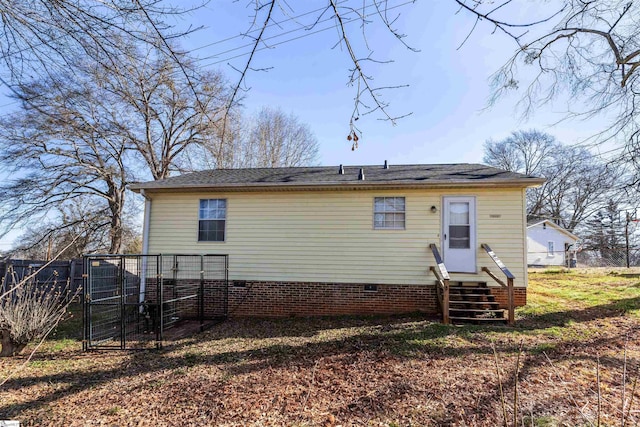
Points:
[(328, 236)]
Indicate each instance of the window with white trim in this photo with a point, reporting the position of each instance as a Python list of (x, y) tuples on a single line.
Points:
[(212, 220), (550, 248), (389, 213)]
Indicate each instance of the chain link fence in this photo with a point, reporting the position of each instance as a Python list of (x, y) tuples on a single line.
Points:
[(616, 257)]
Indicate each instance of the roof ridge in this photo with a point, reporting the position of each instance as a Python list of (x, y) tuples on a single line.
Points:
[(418, 175), (381, 165)]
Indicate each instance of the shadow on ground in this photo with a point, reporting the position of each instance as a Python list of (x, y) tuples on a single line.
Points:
[(395, 337)]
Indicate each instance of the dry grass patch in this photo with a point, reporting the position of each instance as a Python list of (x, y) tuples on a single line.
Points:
[(378, 371)]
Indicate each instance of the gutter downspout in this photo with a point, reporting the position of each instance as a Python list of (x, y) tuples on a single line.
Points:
[(145, 224), (145, 245)]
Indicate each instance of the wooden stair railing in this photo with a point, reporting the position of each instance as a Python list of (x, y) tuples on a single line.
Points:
[(508, 285), (442, 283)]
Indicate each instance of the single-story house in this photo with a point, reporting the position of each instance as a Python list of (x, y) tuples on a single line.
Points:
[(346, 240), (550, 244)]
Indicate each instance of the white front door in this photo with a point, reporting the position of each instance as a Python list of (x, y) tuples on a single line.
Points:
[(459, 234)]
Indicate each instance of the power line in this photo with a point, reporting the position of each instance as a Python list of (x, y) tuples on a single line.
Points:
[(275, 36), (352, 11), (301, 28), (292, 18)]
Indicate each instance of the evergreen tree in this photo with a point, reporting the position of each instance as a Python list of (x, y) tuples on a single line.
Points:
[(605, 234)]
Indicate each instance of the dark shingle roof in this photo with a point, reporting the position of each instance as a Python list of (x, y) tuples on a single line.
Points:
[(328, 176)]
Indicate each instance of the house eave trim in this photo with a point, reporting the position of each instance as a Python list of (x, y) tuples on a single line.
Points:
[(253, 187)]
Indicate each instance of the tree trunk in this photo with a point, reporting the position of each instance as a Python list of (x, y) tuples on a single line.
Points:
[(116, 206), (9, 347), (116, 235)]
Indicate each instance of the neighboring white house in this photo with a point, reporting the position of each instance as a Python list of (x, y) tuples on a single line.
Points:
[(549, 244)]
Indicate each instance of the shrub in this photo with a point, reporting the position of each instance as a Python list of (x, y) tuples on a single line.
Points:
[(29, 311)]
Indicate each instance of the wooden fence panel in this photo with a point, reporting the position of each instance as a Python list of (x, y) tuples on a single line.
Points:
[(55, 275)]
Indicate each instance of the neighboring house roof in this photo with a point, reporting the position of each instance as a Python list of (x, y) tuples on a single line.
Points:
[(405, 176), (556, 226)]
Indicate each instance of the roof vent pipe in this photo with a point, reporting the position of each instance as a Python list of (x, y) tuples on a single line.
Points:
[(386, 165), (361, 175), (341, 170)]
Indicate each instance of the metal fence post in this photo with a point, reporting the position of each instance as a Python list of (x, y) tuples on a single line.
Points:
[(85, 305), (123, 312), (226, 286), (160, 297), (201, 296)]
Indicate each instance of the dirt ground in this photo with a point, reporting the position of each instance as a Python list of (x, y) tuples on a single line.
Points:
[(572, 359)]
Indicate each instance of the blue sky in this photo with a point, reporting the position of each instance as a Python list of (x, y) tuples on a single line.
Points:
[(447, 94), (448, 87)]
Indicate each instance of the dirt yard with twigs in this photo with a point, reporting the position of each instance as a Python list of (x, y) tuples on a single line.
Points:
[(369, 371)]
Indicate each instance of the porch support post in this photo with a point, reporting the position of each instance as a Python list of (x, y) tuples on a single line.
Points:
[(511, 301), (445, 302)]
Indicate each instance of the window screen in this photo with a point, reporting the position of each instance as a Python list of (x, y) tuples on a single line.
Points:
[(389, 213), (459, 225), (212, 219)]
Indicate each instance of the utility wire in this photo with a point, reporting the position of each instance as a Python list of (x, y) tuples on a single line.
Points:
[(275, 36), (291, 18), (585, 144), (359, 18)]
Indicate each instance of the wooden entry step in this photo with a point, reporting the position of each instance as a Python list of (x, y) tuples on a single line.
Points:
[(472, 302)]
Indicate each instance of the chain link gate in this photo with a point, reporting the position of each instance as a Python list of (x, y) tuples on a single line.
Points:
[(130, 301)]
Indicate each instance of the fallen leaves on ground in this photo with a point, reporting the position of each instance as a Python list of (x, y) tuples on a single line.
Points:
[(373, 371)]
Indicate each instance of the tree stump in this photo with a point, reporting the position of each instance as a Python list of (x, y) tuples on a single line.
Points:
[(9, 347)]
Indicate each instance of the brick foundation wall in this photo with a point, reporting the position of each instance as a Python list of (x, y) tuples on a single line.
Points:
[(520, 296), (277, 299), (282, 299), (215, 302), (214, 297)]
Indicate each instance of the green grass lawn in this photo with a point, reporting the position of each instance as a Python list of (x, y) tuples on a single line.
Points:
[(391, 371), (575, 291), (68, 335)]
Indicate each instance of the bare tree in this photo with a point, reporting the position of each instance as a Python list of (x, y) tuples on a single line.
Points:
[(529, 152), (588, 51), (29, 310), (61, 147), (39, 37), (164, 115), (279, 140), (368, 98), (578, 183), (89, 133), (227, 149), (522, 151), (268, 139), (65, 233), (42, 37)]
